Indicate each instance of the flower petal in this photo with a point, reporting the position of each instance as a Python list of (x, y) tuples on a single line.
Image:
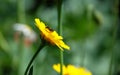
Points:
[(50, 35), (40, 25)]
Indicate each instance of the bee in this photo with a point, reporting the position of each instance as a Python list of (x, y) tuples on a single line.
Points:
[(49, 29)]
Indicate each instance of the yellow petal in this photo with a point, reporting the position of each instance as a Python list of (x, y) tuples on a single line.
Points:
[(50, 35), (62, 44), (72, 70), (57, 68), (39, 24), (59, 46), (56, 35), (84, 71)]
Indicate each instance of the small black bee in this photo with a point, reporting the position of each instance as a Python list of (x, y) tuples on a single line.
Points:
[(49, 28)]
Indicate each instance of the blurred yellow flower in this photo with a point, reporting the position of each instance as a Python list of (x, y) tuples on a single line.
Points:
[(71, 70), (50, 35)]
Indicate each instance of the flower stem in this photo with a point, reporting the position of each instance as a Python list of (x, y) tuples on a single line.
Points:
[(115, 28), (59, 7), (21, 11), (83, 56), (61, 62), (33, 58)]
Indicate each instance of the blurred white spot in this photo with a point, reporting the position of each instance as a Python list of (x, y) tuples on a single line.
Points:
[(27, 32)]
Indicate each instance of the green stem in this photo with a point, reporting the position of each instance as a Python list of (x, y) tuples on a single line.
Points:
[(112, 61), (33, 58), (83, 56), (59, 7), (61, 62), (21, 11)]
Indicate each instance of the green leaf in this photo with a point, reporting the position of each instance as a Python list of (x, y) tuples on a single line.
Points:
[(3, 43)]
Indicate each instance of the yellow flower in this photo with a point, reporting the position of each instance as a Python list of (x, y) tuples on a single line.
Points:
[(50, 35), (71, 70)]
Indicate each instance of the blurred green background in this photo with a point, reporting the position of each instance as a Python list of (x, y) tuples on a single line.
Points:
[(90, 28)]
